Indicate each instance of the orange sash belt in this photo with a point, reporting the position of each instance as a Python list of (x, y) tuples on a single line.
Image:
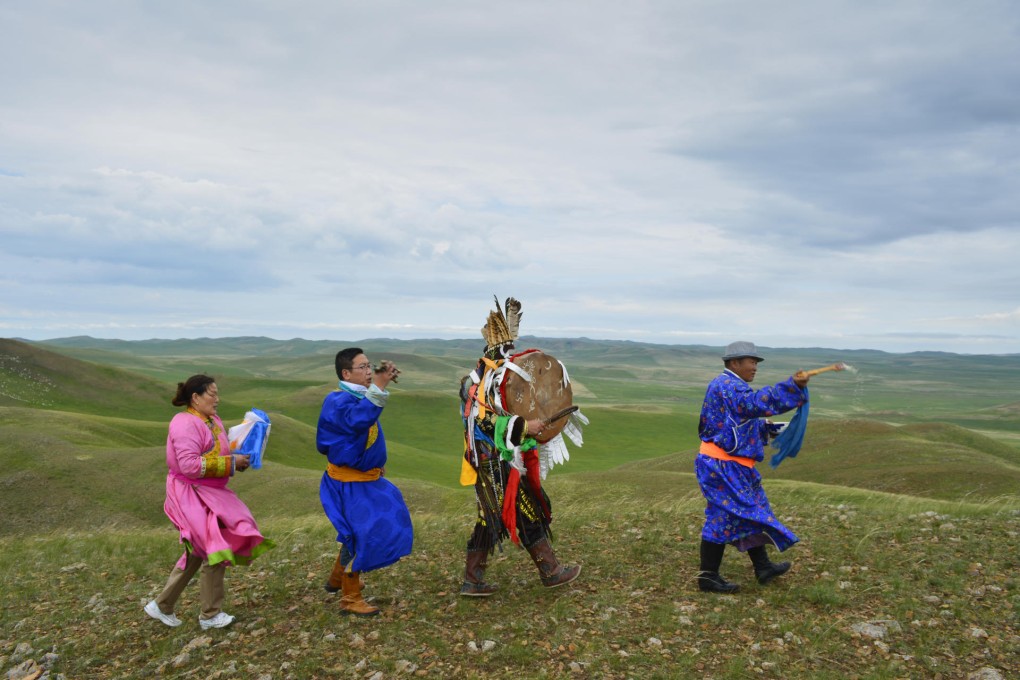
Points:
[(343, 473), (713, 451)]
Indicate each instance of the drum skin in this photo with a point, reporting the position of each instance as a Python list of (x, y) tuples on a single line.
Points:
[(541, 398)]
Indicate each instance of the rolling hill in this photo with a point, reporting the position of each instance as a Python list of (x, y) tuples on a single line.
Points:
[(909, 522), (69, 425)]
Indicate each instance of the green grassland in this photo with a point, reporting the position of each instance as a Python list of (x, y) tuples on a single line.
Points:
[(905, 496)]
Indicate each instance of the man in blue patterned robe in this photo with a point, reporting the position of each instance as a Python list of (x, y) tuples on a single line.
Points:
[(734, 430)]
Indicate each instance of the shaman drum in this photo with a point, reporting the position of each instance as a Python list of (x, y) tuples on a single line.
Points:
[(546, 394)]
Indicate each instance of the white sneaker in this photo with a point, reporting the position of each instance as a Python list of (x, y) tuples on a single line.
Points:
[(152, 609), (221, 620)]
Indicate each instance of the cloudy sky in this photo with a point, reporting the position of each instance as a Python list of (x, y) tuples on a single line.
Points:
[(837, 174)]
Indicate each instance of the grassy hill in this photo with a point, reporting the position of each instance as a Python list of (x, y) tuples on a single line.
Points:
[(975, 391), (931, 460), (33, 377), (68, 418), (937, 580), (904, 496)]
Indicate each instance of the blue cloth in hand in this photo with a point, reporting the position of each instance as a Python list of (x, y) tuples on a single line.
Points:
[(789, 441), (254, 443)]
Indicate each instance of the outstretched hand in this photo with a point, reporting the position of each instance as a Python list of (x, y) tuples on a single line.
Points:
[(385, 373)]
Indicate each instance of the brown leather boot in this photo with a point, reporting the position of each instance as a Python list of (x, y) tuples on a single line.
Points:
[(552, 572), (334, 582), (474, 575), (351, 602)]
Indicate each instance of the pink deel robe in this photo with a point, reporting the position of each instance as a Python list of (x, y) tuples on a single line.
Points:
[(211, 518)]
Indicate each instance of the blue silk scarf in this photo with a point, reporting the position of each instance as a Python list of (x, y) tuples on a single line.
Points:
[(789, 441)]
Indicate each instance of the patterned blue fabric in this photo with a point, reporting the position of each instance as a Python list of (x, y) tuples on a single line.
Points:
[(732, 418), (738, 509), (371, 518)]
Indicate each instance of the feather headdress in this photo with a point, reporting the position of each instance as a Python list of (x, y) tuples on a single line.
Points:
[(501, 327), (513, 316)]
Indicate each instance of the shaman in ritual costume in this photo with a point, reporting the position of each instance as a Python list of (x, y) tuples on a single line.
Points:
[(733, 430), (505, 461), (372, 521)]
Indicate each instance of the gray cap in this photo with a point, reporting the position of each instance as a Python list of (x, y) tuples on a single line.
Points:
[(740, 349)]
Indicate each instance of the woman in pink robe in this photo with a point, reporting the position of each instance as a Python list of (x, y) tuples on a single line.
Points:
[(215, 526)]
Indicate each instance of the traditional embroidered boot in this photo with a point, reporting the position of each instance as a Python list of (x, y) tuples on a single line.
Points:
[(352, 602), (552, 572), (709, 579), (474, 575), (764, 569), (335, 580)]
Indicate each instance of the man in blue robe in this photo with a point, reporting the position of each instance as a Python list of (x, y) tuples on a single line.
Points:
[(733, 431), (371, 519)]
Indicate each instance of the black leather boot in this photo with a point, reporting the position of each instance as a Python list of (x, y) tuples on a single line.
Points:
[(764, 569), (709, 579)]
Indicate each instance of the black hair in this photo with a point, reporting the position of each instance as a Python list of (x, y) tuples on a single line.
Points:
[(196, 384), (345, 360)]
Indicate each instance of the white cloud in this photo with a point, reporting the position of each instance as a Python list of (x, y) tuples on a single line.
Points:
[(658, 171)]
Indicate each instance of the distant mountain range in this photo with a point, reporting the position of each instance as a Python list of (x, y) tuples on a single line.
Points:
[(256, 345)]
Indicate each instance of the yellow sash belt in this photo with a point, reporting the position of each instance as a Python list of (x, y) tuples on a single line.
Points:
[(343, 473)]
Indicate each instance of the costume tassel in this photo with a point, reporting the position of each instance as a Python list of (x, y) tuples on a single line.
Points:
[(513, 481), (531, 463)]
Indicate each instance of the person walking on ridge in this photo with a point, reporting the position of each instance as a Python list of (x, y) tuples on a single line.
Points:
[(215, 526), (733, 429), (368, 511)]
